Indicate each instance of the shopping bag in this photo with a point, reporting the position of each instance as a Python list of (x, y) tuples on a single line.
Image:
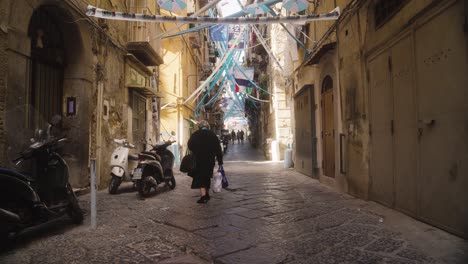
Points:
[(224, 181), (188, 163), (217, 182)]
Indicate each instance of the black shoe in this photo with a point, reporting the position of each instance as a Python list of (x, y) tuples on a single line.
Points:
[(203, 200)]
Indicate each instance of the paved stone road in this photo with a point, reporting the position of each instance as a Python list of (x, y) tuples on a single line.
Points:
[(267, 215)]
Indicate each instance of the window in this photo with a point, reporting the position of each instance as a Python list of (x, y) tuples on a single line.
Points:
[(327, 83), (385, 9)]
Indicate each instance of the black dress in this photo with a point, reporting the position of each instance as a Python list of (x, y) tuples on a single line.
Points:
[(205, 145)]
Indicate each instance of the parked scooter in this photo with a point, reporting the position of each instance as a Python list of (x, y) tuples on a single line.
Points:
[(154, 168), (122, 164), (45, 194)]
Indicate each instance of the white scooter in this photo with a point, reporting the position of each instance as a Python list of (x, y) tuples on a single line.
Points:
[(120, 169)]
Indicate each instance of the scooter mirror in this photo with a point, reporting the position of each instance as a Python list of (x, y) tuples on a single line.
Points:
[(55, 119)]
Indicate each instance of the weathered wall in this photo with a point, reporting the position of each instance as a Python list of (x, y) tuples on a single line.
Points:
[(90, 56), (350, 34), (4, 6), (76, 77), (277, 113), (179, 77)]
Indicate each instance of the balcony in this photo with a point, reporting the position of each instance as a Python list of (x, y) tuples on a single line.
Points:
[(195, 39), (140, 42)]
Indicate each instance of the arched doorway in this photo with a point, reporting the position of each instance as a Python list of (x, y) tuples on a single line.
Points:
[(328, 128), (47, 65)]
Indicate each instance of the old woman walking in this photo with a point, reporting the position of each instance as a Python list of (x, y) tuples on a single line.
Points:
[(205, 145)]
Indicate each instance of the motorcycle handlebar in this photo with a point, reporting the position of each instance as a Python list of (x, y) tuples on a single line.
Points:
[(26, 154)]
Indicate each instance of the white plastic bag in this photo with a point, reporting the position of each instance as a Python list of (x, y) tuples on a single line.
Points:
[(217, 182)]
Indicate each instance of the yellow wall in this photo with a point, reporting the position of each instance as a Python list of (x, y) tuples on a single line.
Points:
[(178, 80)]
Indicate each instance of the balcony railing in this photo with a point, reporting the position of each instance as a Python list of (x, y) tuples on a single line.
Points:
[(141, 42)]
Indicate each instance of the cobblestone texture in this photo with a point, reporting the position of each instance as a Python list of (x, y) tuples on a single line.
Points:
[(277, 217)]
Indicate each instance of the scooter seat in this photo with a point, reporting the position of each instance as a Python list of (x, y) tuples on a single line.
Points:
[(152, 154), (132, 157), (16, 174)]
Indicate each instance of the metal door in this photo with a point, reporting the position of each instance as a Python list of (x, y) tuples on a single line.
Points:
[(138, 120), (303, 112), (328, 128), (442, 70), (404, 126), (381, 109)]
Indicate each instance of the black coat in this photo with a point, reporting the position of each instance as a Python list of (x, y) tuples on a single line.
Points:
[(205, 145)]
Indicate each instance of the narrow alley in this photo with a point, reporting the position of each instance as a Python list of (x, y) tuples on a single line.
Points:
[(268, 214)]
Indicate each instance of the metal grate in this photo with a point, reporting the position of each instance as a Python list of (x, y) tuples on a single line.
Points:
[(47, 63), (385, 9)]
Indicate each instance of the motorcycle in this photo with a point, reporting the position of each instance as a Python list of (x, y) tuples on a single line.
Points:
[(27, 200), (154, 168), (120, 169)]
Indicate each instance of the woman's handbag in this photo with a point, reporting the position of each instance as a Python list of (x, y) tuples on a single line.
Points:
[(188, 162), (224, 181)]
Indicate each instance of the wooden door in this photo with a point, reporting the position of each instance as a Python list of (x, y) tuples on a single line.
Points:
[(303, 132), (328, 128)]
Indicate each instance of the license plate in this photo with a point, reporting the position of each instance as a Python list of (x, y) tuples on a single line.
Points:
[(137, 174)]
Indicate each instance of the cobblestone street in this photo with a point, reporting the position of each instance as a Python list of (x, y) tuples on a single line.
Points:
[(267, 215)]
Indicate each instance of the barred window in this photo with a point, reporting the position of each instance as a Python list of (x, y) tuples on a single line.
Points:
[(385, 9)]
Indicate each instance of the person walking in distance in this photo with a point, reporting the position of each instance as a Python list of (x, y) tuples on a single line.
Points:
[(205, 146), (238, 136), (233, 136)]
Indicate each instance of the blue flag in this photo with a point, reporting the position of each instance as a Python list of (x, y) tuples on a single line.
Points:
[(219, 33)]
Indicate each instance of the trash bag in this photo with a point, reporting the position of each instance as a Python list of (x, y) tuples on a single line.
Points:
[(217, 182)]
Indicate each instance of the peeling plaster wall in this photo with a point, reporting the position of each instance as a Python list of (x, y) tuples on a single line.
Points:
[(179, 76), (91, 56), (351, 34), (4, 6)]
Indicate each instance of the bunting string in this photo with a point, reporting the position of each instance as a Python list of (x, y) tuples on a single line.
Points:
[(105, 14)]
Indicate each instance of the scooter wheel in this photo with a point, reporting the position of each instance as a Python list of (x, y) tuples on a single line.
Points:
[(114, 184), (171, 183), (74, 210), (143, 187)]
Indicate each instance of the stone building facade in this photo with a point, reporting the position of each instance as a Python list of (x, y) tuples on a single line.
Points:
[(87, 70), (387, 103), (186, 65)]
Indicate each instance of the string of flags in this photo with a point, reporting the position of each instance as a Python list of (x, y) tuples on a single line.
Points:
[(257, 8), (93, 11), (231, 39)]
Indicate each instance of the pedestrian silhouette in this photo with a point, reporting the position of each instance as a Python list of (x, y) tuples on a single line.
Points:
[(205, 146)]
